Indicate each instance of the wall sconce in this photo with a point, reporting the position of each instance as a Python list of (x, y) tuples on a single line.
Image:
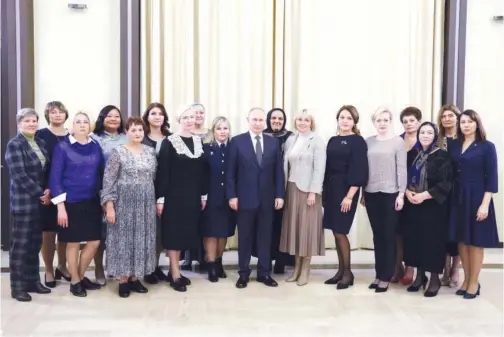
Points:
[(77, 6)]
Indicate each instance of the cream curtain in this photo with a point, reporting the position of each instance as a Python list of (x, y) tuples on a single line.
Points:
[(232, 55), (365, 53)]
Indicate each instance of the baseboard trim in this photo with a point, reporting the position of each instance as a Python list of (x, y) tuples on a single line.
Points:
[(234, 266)]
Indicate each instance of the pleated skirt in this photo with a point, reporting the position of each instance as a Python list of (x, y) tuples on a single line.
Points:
[(302, 232)]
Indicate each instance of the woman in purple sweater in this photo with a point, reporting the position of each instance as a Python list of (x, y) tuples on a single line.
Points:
[(75, 182)]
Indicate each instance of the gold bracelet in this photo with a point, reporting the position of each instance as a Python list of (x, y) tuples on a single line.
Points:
[(347, 197)]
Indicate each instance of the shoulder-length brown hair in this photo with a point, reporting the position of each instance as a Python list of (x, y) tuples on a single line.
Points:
[(480, 130), (442, 130), (355, 116), (165, 128)]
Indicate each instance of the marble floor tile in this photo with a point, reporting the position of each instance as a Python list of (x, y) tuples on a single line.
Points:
[(219, 309)]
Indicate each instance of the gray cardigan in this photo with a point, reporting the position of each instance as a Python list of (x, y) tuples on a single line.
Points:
[(309, 164)]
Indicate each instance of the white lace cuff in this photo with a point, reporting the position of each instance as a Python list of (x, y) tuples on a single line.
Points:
[(160, 200), (204, 197)]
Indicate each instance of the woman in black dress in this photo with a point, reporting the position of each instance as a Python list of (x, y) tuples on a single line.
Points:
[(56, 115), (447, 124), (219, 220), (181, 189), (346, 171), (157, 128), (425, 230), (275, 126)]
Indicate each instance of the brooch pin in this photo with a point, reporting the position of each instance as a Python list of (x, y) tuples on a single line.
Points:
[(343, 142), (211, 153)]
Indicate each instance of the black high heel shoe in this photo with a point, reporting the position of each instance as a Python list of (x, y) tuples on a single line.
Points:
[(469, 296), (335, 279), (415, 288), (345, 285), (58, 275), (49, 284)]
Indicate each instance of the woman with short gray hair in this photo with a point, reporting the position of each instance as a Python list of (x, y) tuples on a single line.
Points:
[(27, 159)]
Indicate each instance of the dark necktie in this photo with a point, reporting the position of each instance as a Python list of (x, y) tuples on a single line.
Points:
[(258, 149), (222, 146)]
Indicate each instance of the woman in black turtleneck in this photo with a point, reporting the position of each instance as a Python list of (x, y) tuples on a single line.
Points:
[(275, 123)]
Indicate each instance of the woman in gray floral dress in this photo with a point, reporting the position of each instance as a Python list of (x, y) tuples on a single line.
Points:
[(129, 199)]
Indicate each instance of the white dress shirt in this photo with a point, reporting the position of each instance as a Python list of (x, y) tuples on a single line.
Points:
[(254, 140)]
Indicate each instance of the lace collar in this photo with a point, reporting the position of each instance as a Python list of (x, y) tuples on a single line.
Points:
[(181, 148)]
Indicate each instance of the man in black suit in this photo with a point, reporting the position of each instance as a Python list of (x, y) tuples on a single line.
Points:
[(255, 188)]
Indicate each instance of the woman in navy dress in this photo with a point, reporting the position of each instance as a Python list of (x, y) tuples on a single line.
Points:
[(410, 118), (56, 115), (219, 219), (472, 223), (346, 171), (157, 128), (447, 123)]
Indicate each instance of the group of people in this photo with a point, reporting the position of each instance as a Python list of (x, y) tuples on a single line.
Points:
[(135, 189)]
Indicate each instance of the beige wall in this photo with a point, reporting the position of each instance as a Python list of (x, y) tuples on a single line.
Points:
[(77, 55), (484, 81)]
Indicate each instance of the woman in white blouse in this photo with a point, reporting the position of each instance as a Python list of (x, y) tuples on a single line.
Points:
[(304, 166)]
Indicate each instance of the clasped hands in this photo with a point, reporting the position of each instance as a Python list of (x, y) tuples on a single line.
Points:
[(45, 199), (416, 198)]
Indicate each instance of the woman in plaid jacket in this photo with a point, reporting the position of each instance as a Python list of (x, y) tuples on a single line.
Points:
[(27, 159)]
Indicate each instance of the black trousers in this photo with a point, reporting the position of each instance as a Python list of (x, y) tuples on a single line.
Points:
[(384, 219), (26, 241), (255, 226)]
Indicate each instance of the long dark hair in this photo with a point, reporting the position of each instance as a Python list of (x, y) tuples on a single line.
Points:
[(99, 125), (165, 128), (480, 130)]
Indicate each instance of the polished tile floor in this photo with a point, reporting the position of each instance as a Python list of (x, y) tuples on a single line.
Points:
[(220, 309)]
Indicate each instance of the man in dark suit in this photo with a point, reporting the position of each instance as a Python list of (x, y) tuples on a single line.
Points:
[(255, 188)]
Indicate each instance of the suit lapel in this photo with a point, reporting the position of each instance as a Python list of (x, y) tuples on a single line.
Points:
[(306, 145), (28, 149)]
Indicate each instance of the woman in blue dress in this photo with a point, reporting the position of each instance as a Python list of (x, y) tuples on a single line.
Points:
[(472, 222), (218, 221)]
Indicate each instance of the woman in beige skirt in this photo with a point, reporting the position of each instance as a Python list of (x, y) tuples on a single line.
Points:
[(304, 166)]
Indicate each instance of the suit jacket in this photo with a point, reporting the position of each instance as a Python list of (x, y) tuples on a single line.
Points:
[(27, 176), (216, 161), (251, 183), (307, 169)]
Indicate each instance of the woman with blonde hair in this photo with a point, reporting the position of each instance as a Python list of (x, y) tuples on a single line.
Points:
[(181, 189), (345, 173), (304, 165), (384, 194), (447, 121), (76, 179), (219, 220)]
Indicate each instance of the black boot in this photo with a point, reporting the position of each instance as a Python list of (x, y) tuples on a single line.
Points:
[(187, 264), (21, 296), (220, 268), (212, 272)]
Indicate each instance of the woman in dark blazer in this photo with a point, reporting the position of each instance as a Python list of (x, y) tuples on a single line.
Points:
[(425, 212), (219, 220), (26, 158)]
